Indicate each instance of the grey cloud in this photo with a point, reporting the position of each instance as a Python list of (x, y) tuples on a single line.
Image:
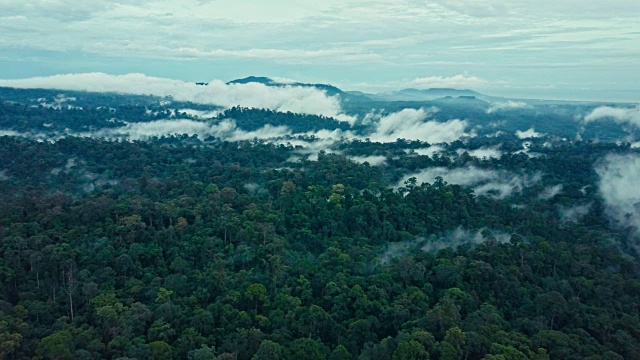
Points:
[(479, 8)]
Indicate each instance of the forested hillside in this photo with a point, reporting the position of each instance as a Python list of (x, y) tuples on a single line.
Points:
[(175, 248)]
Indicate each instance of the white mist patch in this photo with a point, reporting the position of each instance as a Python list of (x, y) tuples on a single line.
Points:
[(497, 184), (3, 175), (456, 238), (574, 213), (629, 116), (461, 236), (550, 192), (373, 160), (225, 129), (485, 152), (508, 105), (528, 134), (255, 189), (410, 124), (311, 143), (297, 99), (12, 133), (59, 102), (228, 130), (526, 149), (430, 151), (71, 162), (200, 114), (619, 188)]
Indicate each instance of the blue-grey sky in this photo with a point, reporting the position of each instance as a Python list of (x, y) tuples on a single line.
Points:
[(569, 49)]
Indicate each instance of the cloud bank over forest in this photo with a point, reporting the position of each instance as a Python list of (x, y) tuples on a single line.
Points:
[(630, 116), (410, 124), (297, 99), (508, 105), (226, 129)]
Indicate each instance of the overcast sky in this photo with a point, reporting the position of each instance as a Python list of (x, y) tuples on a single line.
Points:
[(571, 49)]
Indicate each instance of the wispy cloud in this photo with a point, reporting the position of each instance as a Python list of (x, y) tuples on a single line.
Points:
[(374, 160), (574, 213), (550, 192), (497, 184), (225, 129), (456, 81), (454, 239)]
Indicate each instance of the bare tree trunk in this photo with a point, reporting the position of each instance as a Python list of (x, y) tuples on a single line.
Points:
[(70, 287)]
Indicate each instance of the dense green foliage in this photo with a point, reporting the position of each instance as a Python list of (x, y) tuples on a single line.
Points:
[(181, 249)]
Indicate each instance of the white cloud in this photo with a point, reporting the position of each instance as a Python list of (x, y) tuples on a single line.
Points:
[(629, 116), (485, 152), (456, 81), (430, 151), (508, 105), (574, 213), (497, 184), (461, 236), (456, 238), (201, 114), (410, 124), (527, 134), (11, 133), (618, 185), (305, 100), (373, 160), (550, 192), (225, 129)]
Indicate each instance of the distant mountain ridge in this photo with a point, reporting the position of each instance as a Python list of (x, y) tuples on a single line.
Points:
[(330, 89), (409, 94)]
